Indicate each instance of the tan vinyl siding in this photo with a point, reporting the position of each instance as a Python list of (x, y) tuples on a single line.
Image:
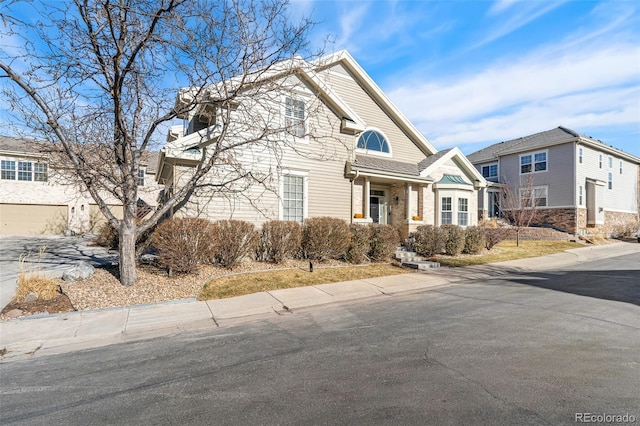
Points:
[(402, 148)]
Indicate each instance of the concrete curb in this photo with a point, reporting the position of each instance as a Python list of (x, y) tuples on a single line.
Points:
[(28, 337)]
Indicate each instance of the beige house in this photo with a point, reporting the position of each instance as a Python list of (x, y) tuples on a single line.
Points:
[(35, 198), (345, 150)]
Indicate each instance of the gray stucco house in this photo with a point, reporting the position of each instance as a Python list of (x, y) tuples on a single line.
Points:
[(581, 185)]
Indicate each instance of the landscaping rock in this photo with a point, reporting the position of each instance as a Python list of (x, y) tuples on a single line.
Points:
[(149, 258), (31, 297), (14, 313), (81, 271)]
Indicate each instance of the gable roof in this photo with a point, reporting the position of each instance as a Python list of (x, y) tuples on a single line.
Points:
[(28, 147), (309, 72), (344, 57), (556, 136), (430, 165)]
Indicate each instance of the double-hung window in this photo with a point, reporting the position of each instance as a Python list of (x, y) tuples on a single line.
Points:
[(536, 162), (8, 170), (447, 211), (293, 198), (610, 180), (141, 175), (537, 198), (26, 171), (463, 211), (580, 155), (490, 171), (294, 117)]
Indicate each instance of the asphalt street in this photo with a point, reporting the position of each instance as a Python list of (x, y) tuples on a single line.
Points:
[(519, 349)]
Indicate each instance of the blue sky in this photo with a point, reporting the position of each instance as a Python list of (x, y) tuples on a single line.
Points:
[(472, 73)]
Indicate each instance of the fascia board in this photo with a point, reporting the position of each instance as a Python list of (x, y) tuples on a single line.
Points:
[(468, 168)]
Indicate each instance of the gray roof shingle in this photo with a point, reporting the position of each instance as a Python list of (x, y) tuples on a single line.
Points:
[(537, 140), (386, 165)]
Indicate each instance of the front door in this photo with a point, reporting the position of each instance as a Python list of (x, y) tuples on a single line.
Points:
[(378, 206)]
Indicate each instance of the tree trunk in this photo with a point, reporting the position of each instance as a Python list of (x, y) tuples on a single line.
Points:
[(127, 251)]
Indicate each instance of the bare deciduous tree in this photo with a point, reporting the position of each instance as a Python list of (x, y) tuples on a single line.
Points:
[(519, 204), (96, 80)]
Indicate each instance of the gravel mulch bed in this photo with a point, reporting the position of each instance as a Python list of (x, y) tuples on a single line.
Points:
[(103, 290)]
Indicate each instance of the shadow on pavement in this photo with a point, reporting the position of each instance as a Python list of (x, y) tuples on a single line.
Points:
[(618, 285)]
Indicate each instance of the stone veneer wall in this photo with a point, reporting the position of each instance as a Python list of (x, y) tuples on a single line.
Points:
[(563, 219)]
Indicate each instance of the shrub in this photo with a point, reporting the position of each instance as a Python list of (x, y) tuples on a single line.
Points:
[(427, 240), (493, 236), (384, 242), (236, 239), (473, 240), (325, 238), (183, 243), (107, 236), (279, 240), (453, 239), (358, 250)]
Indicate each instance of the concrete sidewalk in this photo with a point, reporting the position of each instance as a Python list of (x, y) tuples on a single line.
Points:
[(27, 337)]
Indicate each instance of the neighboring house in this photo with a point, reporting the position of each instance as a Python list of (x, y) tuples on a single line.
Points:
[(348, 152), (36, 198), (581, 185)]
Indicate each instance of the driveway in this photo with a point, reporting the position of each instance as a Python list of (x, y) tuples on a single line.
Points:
[(59, 254)]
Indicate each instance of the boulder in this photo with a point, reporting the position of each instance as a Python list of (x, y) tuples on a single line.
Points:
[(31, 297), (81, 271)]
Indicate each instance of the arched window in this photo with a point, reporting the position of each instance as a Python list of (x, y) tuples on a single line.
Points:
[(373, 140)]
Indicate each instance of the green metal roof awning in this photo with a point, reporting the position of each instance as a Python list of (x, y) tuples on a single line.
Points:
[(453, 179)]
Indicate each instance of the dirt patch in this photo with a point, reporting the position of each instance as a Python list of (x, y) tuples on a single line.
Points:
[(59, 303)]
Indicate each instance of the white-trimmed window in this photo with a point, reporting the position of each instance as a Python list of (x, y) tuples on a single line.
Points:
[(580, 155), (141, 176), (610, 163), (580, 195), (539, 198), (27, 171), (536, 162), (373, 141), (447, 211), (620, 166), (490, 171), (294, 196), (600, 161), (463, 211), (295, 117), (610, 180)]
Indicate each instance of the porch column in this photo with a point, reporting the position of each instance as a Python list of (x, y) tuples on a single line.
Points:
[(366, 197), (408, 201), (485, 204)]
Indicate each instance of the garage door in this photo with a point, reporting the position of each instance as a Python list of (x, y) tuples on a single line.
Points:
[(28, 219)]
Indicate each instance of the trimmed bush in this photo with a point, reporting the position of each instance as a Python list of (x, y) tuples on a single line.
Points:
[(359, 248), (473, 240), (107, 236), (184, 243), (236, 240), (453, 239), (279, 240), (325, 238), (384, 242), (493, 236), (427, 240)]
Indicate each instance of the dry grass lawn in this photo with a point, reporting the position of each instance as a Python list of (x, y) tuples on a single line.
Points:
[(507, 250), (238, 285)]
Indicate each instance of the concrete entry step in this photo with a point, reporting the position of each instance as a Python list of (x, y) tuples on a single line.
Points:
[(423, 265)]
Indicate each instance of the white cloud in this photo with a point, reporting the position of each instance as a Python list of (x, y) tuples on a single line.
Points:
[(590, 79), (524, 13)]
